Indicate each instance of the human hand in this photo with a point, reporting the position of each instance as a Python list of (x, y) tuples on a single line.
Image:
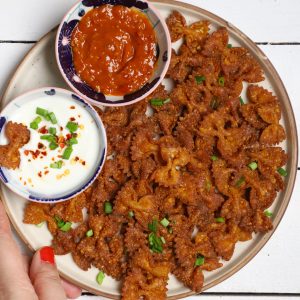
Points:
[(20, 279)]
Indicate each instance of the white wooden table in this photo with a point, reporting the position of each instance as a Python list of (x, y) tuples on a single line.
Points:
[(275, 25)]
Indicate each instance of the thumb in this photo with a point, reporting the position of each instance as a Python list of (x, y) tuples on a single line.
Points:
[(44, 276)]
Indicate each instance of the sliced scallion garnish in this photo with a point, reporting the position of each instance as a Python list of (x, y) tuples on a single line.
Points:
[(56, 165), (268, 213), (131, 214), (220, 220), (108, 207), (89, 233), (67, 153), (199, 79), (199, 261), (165, 222), (214, 157), (42, 112), (240, 181), (253, 165), (282, 172), (72, 126), (52, 130), (52, 118), (241, 101), (66, 227), (100, 277), (221, 81)]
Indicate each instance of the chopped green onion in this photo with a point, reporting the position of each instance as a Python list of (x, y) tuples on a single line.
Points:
[(131, 214), (153, 226), (89, 233), (170, 230), (168, 100), (53, 146), (214, 103), (73, 141), (220, 220), (199, 261), (52, 130), (214, 157), (155, 243), (57, 165), (72, 126), (67, 153), (37, 120), (108, 207), (163, 239), (240, 181), (221, 81), (165, 222), (52, 118), (66, 227), (34, 125), (229, 46), (268, 213), (40, 224), (159, 101), (208, 185), (42, 112), (199, 79), (60, 223), (242, 101), (282, 172), (100, 277), (48, 137), (253, 165)]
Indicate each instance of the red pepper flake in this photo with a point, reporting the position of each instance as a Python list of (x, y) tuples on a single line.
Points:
[(40, 174), (72, 107), (41, 146), (44, 153), (76, 158), (83, 163), (35, 154), (43, 130), (26, 152), (75, 135), (53, 159), (72, 119), (59, 156), (62, 145), (69, 135), (79, 116), (61, 128), (46, 172)]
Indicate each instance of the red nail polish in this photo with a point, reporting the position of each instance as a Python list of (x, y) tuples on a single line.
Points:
[(47, 255)]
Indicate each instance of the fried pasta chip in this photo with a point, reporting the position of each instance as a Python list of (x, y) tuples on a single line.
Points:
[(17, 135), (190, 173)]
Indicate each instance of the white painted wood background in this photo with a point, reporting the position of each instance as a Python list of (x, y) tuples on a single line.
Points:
[(275, 24)]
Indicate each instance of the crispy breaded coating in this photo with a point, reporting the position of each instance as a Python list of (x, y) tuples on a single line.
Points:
[(18, 135), (190, 172)]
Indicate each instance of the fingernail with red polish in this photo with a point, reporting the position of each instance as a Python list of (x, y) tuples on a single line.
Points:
[(47, 255)]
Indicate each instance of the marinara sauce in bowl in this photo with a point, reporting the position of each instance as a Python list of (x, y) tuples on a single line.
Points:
[(113, 52)]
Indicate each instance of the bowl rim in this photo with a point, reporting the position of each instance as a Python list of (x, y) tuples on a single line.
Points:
[(87, 183), (125, 103)]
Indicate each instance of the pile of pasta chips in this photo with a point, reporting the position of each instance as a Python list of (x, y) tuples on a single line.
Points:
[(183, 184)]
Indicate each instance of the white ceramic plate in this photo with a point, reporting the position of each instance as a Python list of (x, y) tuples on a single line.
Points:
[(39, 69)]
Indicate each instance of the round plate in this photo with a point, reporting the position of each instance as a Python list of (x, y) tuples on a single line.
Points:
[(39, 69)]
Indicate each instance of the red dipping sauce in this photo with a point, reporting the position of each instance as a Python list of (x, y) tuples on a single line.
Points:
[(114, 49)]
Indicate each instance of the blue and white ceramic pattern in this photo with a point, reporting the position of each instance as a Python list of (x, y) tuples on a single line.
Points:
[(7, 115), (65, 60)]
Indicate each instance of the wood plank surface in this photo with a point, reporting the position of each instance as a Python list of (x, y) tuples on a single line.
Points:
[(261, 20)]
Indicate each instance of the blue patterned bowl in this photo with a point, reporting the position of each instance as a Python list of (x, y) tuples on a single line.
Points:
[(13, 111), (65, 60)]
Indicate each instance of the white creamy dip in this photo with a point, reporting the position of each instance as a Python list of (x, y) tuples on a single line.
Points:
[(35, 171)]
